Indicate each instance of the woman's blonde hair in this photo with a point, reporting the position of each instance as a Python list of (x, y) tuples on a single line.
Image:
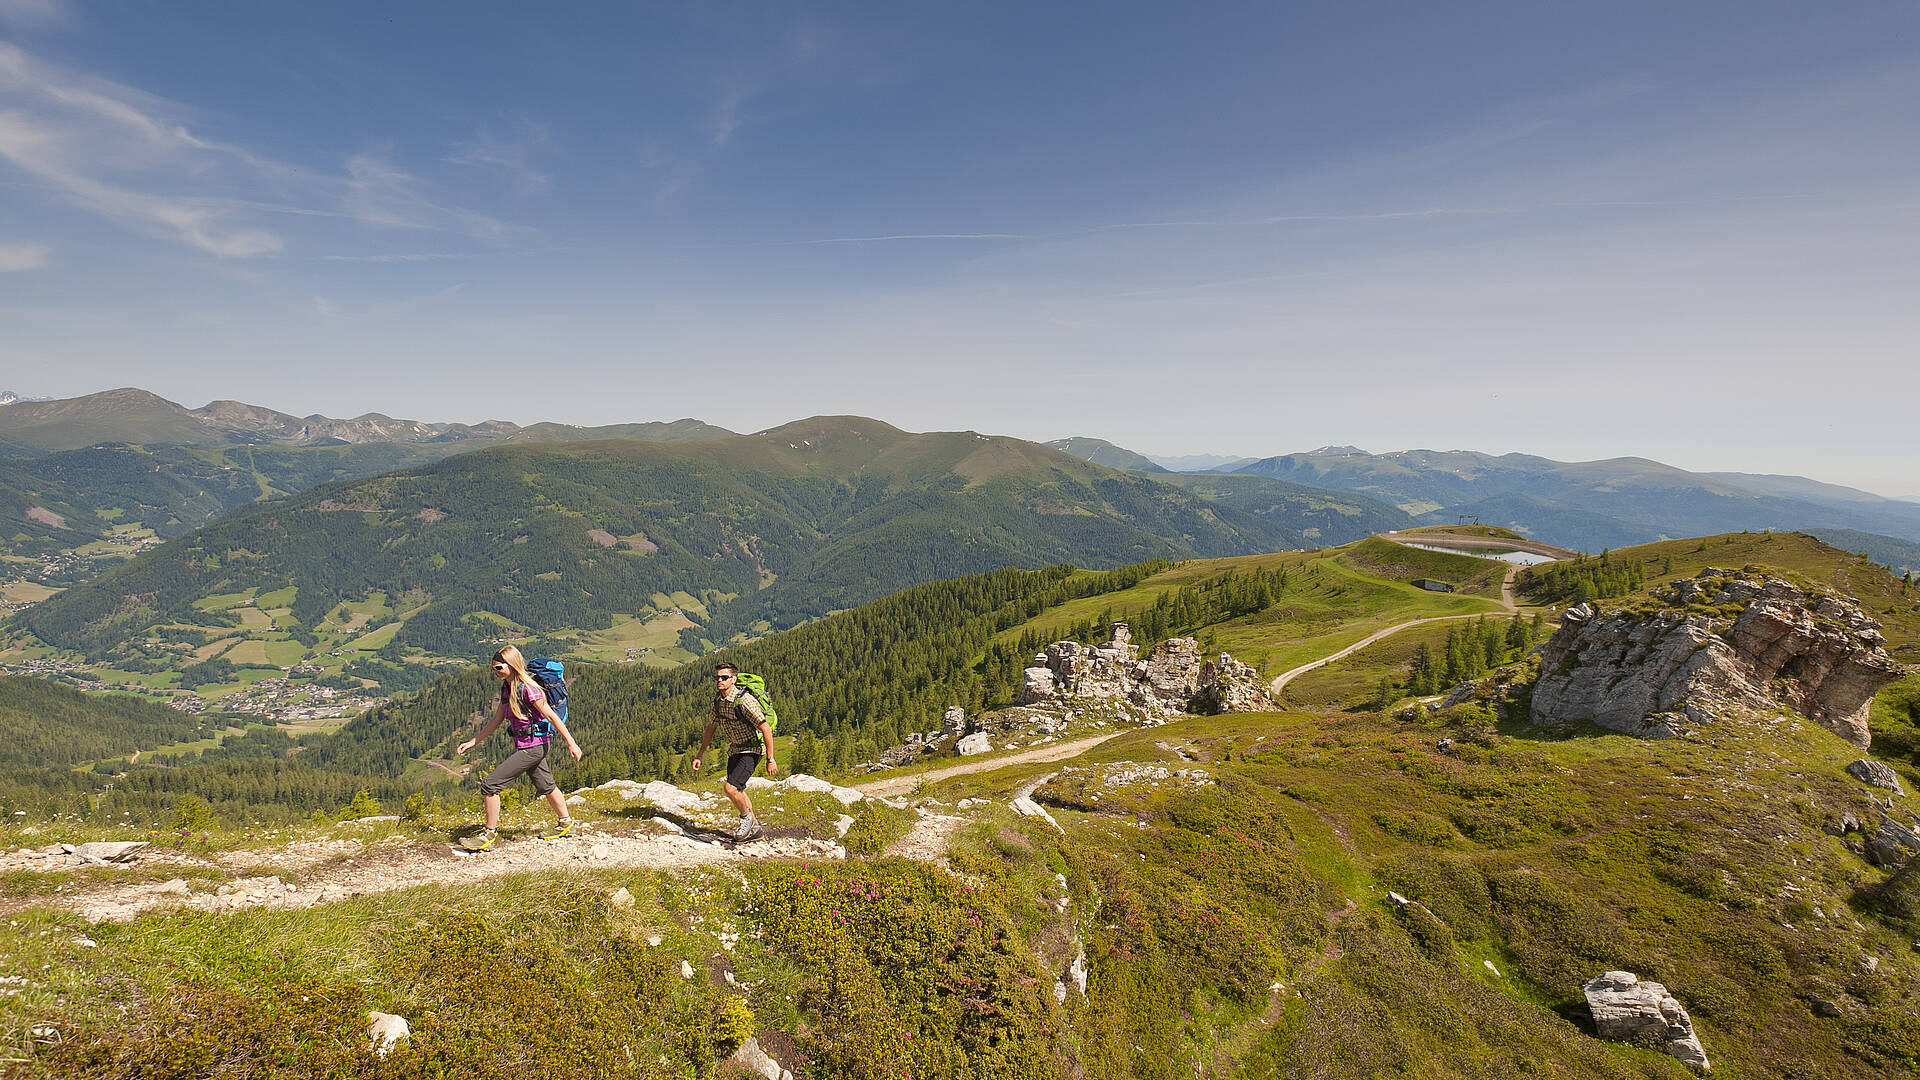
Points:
[(516, 664)]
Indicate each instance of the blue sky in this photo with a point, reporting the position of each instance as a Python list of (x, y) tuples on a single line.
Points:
[(1685, 232)]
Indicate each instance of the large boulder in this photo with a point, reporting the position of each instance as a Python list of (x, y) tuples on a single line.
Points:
[(1643, 673), (110, 851), (1877, 773), (1630, 1010)]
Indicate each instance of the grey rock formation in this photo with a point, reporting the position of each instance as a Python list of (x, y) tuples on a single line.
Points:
[(976, 743), (1642, 673), (1173, 677), (1227, 685), (1893, 846), (1879, 774), (1171, 673), (953, 722), (1040, 684), (1630, 1010)]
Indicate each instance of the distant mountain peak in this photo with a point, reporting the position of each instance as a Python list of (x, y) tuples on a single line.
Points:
[(1102, 452), (1337, 451)]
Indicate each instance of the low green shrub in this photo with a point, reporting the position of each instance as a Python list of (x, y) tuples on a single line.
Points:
[(906, 971), (873, 828)]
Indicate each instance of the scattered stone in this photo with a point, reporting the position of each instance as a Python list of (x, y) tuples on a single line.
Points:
[(621, 898), (653, 940), (757, 1062), (175, 887), (576, 800), (86, 942), (1877, 773), (841, 824), (1077, 971), (123, 851), (1822, 1007), (386, 1031), (1490, 967), (976, 743), (1630, 1010), (686, 970), (1847, 824), (1059, 991), (1026, 807)]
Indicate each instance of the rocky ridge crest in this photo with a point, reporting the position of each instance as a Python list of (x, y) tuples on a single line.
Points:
[(1722, 638)]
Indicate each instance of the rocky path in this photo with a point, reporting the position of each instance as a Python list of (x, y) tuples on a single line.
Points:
[(323, 872)]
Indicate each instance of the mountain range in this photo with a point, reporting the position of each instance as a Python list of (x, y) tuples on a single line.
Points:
[(1589, 505), (127, 415)]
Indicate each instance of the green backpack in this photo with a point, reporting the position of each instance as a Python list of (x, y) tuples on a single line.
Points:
[(757, 686)]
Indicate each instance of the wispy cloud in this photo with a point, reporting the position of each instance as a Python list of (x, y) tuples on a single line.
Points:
[(509, 154), (727, 116), (16, 256), (129, 156)]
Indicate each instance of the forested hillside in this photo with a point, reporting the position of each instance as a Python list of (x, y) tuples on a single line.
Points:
[(527, 541)]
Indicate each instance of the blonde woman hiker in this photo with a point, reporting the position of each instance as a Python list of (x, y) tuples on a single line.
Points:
[(533, 725), (739, 717)]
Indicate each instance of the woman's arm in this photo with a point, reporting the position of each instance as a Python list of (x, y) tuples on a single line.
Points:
[(499, 714)]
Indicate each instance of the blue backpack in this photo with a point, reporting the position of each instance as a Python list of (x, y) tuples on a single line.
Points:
[(552, 677)]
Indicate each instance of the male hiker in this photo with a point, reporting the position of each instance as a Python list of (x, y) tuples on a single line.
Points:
[(739, 717)]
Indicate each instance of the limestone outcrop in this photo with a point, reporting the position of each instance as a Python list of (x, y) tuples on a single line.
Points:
[(1174, 677), (1722, 637), (1630, 1010)]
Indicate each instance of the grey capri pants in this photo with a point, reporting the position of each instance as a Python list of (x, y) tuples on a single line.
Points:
[(532, 760)]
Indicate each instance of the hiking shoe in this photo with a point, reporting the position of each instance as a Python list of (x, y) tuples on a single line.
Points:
[(479, 841), (560, 828), (747, 829)]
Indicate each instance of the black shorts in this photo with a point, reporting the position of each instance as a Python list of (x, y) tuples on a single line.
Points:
[(531, 760), (740, 769)]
